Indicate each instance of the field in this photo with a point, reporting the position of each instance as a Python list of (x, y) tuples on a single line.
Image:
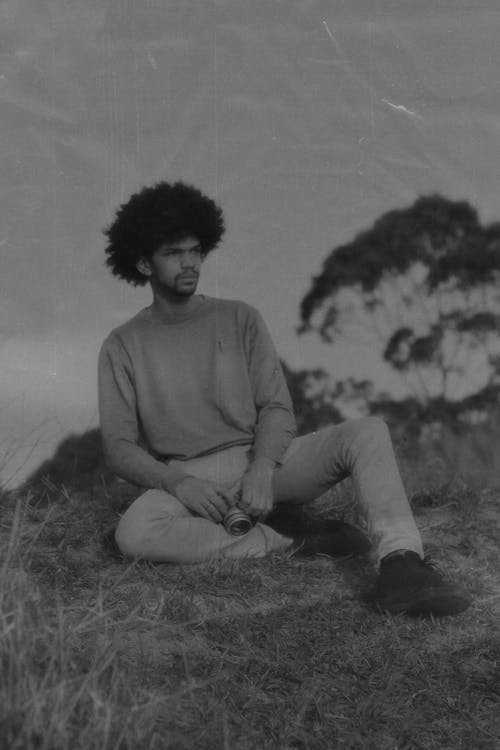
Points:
[(98, 652)]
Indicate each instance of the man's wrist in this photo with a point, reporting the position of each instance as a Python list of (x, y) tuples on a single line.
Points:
[(263, 462), (172, 478)]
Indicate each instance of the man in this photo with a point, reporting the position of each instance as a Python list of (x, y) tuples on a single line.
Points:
[(194, 409)]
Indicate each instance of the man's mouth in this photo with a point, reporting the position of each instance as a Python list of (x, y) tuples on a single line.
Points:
[(188, 278)]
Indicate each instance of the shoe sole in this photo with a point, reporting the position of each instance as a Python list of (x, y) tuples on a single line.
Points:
[(434, 603)]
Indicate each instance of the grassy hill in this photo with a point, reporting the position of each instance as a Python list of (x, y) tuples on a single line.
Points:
[(98, 652)]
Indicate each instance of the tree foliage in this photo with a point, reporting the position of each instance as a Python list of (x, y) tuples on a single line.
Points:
[(422, 287), (312, 397)]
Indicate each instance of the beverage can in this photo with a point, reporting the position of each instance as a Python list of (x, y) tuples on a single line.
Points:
[(237, 522)]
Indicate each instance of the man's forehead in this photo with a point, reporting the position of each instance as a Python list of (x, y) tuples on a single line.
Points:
[(183, 243)]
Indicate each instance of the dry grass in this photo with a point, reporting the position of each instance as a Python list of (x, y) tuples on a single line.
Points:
[(274, 653)]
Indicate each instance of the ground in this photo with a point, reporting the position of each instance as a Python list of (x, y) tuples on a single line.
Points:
[(274, 653)]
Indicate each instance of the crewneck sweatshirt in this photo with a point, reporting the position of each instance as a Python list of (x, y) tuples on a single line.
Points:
[(187, 385)]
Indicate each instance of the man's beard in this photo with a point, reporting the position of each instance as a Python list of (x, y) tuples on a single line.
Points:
[(185, 288)]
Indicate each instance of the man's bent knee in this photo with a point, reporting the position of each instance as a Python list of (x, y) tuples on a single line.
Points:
[(134, 539), (374, 426), (129, 540), (152, 513), (362, 427)]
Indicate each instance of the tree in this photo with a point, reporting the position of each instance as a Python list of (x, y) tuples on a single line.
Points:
[(422, 287), (312, 397)]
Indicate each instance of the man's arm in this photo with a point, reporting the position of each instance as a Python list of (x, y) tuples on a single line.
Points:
[(119, 424), (275, 427), (127, 458)]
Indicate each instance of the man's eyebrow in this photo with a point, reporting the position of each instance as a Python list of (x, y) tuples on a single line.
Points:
[(173, 248)]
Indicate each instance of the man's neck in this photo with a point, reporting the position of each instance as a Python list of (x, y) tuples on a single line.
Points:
[(171, 307)]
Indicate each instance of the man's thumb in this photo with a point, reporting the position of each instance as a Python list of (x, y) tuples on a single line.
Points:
[(234, 490)]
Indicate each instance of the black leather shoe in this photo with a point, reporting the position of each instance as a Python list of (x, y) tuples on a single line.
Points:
[(407, 584), (317, 536), (337, 539)]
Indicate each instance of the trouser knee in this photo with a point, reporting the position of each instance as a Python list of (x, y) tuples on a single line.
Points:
[(373, 428), (134, 539), (355, 437), (150, 516), (128, 539), (360, 429)]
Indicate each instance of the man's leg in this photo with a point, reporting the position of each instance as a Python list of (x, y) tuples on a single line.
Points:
[(362, 449), (157, 526)]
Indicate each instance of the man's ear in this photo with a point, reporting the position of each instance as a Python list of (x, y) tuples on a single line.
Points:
[(143, 266)]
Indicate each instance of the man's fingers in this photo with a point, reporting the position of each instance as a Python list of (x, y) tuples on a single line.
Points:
[(232, 493), (222, 497), (255, 506), (234, 489), (213, 513), (218, 502), (228, 496)]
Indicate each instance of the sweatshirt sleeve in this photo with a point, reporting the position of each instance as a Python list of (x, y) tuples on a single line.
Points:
[(123, 451), (276, 425)]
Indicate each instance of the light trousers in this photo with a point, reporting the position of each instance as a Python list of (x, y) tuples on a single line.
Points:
[(157, 526)]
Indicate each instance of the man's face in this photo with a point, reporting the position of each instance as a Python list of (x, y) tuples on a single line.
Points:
[(175, 266)]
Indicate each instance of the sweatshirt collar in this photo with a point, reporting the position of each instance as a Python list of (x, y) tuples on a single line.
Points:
[(181, 315)]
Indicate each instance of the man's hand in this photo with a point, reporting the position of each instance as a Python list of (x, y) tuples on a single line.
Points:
[(257, 488), (207, 499)]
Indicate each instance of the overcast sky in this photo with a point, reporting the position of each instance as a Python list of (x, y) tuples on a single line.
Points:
[(304, 119)]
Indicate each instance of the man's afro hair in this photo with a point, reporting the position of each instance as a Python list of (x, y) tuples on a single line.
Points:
[(162, 213)]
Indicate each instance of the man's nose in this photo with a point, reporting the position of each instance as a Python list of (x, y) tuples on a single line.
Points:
[(187, 260)]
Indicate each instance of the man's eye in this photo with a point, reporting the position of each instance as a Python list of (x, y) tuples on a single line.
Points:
[(178, 253)]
